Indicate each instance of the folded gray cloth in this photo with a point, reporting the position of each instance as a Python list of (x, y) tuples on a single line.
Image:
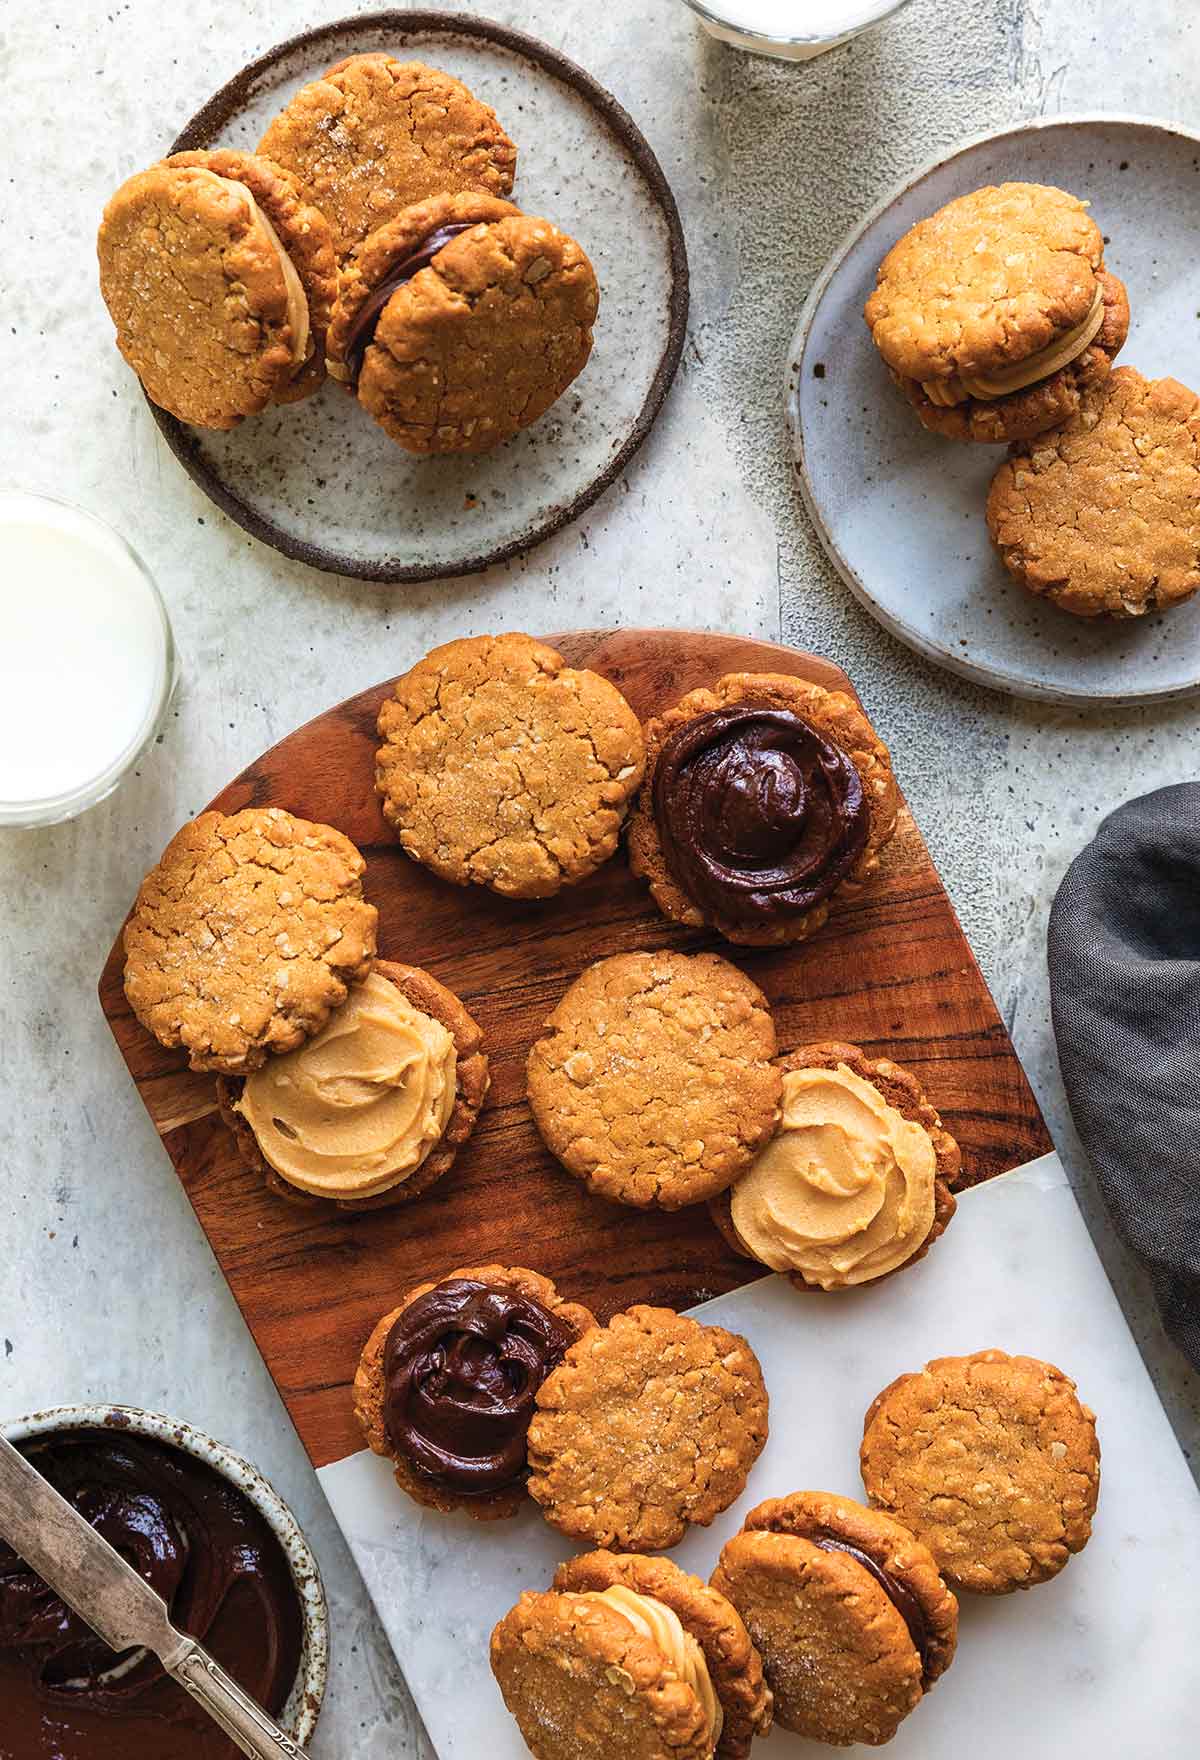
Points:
[(1124, 949)]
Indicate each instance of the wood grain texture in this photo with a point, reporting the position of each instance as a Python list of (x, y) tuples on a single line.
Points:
[(891, 971)]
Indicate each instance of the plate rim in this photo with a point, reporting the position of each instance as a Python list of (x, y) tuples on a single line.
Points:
[(1027, 689), (215, 113)]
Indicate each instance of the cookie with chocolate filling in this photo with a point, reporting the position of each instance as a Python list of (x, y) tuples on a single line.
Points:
[(502, 766), (858, 1180), (764, 798), (246, 935), (992, 1460), (1102, 517), (650, 1424), (630, 1654), (461, 321), (373, 1110), (652, 1081), (997, 312), (446, 1384), (848, 1611), (374, 135), (219, 276)]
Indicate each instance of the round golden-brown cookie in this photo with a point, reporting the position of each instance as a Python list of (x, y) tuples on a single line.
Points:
[(902, 1091), (835, 719), (584, 1684), (472, 1080), (461, 321), (1102, 517), (374, 135), (734, 1665), (650, 1423), (852, 1620), (652, 1081), (996, 312), (992, 1461), (220, 278), (502, 766), (245, 935), (369, 1392)]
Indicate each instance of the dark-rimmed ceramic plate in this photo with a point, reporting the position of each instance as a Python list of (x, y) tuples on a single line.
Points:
[(318, 480)]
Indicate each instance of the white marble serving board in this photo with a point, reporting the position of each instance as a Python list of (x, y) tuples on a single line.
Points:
[(1068, 1668)]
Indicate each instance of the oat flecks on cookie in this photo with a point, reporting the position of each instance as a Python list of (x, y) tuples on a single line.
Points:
[(652, 1081), (245, 936), (992, 1461), (1102, 516), (501, 766), (651, 1423), (375, 134)]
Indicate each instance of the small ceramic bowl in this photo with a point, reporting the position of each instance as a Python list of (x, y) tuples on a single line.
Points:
[(299, 1715)]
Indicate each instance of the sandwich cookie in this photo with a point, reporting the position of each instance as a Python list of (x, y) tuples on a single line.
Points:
[(852, 1620), (502, 766), (764, 799), (461, 321), (992, 1461), (1102, 517), (246, 935), (857, 1181), (446, 1384), (996, 312), (649, 1424), (652, 1081), (374, 135), (219, 276), (630, 1655), (373, 1110)]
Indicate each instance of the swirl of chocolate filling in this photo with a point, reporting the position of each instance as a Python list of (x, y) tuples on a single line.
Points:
[(760, 818), (901, 1597), (461, 1367), (366, 319)]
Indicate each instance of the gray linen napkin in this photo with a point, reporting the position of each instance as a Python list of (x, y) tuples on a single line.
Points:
[(1124, 950)]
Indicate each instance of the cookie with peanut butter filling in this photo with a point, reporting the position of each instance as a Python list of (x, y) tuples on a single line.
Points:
[(996, 313), (848, 1611), (374, 1109), (858, 1180), (461, 321), (219, 277)]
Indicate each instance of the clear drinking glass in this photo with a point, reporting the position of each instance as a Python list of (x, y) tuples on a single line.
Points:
[(790, 30)]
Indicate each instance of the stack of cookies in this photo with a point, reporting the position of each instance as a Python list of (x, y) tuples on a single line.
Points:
[(369, 237), (1000, 322)]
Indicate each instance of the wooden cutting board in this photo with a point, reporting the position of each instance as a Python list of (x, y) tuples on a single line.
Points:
[(891, 971)]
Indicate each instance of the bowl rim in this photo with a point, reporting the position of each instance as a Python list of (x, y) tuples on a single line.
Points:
[(300, 1714)]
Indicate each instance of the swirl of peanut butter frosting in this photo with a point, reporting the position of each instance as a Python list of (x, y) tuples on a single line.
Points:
[(845, 1190), (653, 1619), (355, 1111), (1030, 371)]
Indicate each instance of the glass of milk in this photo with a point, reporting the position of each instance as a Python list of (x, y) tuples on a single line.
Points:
[(87, 660), (792, 30)]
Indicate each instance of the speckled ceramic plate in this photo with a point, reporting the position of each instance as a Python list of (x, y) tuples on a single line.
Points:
[(318, 479), (901, 512)]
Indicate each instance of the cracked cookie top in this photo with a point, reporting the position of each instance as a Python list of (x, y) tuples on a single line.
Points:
[(992, 1461), (245, 936), (653, 1082), (650, 1423), (374, 135), (502, 766), (1102, 517)]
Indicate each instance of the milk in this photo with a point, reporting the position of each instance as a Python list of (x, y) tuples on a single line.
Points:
[(86, 659), (794, 29)]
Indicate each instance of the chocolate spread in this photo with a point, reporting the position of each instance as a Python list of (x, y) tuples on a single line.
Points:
[(362, 330), (64, 1695), (901, 1597), (760, 818), (461, 1367)]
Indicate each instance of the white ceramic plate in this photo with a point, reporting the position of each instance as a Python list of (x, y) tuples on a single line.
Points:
[(318, 479), (901, 511)]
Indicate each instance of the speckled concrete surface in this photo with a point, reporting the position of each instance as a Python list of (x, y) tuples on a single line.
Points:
[(771, 164)]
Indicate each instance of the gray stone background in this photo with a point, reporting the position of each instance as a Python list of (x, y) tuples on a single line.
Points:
[(107, 1287)]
